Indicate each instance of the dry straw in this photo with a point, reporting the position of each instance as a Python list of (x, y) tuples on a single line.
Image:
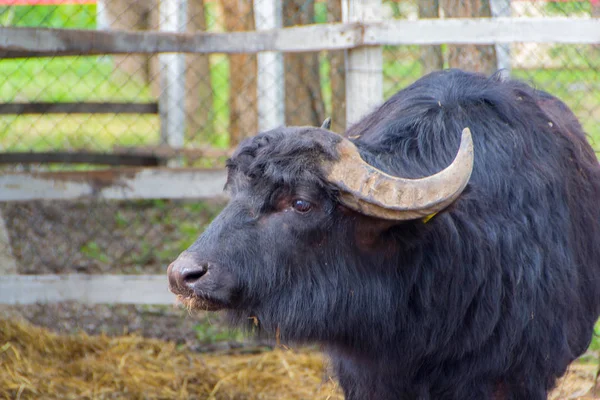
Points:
[(36, 364)]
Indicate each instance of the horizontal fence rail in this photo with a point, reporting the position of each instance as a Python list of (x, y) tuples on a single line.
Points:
[(82, 157), (78, 108), (146, 156), (28, 42), (114, 184), (90, 289)]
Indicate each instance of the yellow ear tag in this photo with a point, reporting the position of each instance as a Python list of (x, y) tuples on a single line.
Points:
[(427, 218)]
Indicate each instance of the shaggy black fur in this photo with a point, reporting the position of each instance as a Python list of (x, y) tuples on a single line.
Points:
[(492, 298)]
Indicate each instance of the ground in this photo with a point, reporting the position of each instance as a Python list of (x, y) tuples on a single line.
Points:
[(56, 237)]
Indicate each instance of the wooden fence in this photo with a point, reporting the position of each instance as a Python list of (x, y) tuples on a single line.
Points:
[(361, 34)]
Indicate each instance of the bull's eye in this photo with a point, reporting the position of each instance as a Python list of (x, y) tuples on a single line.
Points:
[(302, 206)]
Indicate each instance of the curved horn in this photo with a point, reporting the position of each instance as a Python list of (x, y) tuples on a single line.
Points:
[(371, 191)]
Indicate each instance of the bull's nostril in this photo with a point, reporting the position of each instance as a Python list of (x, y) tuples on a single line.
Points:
[(191, 277), (185, 272)]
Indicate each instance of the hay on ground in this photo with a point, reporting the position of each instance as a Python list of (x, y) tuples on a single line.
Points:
[(36, 364)]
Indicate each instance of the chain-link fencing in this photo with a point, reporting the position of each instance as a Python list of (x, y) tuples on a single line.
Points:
[(220, 107)]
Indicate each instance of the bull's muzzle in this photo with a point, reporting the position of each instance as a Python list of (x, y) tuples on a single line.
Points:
[(184, 273)]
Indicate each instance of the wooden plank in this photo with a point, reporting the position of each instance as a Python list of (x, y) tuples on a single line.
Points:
[(146, 156), (32, 42), (270, 81), (364, 65), (483, 31), (90, 289), (81, 157), (78, 108), (163, 151), (117, 184), (29, 42)]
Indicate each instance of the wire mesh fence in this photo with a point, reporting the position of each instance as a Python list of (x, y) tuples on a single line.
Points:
[(220, 106)]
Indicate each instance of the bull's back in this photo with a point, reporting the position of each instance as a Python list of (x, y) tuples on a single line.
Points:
[(536, 181)]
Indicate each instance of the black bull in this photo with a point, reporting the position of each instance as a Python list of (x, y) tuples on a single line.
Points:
[(486, 291)]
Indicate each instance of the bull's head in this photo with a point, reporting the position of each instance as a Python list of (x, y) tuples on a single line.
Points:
[(302, 234)]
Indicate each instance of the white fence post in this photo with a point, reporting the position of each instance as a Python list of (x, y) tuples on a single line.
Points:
[(270, 81), (364, 65), (101, 16), (8, 264), (171, 104), (102, 24), (501, 8)]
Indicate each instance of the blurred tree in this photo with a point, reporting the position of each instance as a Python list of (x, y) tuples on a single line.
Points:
[(303, 98), (595, 11), (480, 58), (431, 56), (144, 15), (243, 112), (135, 15), (337, 74), (199, 97)]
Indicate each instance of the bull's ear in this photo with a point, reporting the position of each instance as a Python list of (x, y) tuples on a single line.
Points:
[(326, 124)]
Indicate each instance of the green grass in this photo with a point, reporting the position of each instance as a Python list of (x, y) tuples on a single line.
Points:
[(87, 79), (568, 8), (95, 79), (208, 333), (59, 132), (177, 229), (595, 345), (73, 79), (219, 77), (64, 16), (578, 88), (68, 79)]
